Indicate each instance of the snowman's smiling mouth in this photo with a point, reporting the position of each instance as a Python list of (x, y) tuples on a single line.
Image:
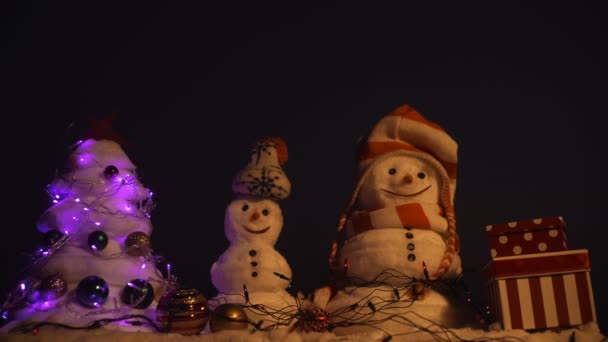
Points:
[(261, 231), (406, 195)]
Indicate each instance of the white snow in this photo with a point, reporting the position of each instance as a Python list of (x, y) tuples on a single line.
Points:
[(586, 333)]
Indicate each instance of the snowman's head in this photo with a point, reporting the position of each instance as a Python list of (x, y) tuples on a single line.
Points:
[(252, 219), (400, 179)]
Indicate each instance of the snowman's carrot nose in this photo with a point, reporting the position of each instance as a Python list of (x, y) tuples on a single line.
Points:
[(254, 216), (408, 179)]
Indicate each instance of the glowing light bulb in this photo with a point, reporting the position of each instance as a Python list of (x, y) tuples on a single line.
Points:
[(77, 200), (98, 223), (143, 266), (85, 209), (22, 286)]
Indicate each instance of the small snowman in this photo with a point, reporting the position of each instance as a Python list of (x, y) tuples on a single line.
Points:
[(402, 235), (251, 272)]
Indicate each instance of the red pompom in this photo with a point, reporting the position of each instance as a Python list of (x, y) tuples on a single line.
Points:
[(281, 147)]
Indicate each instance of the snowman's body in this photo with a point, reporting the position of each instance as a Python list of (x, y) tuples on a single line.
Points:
[(386, 259), (257, 265), (251, 262), (398, 249)]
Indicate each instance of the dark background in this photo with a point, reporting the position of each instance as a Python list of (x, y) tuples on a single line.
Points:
[(520, 87)]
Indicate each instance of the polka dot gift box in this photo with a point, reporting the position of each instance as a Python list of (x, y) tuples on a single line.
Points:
[(540, 235)]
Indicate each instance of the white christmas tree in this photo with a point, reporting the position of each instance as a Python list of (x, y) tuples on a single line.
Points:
[(96, 266)]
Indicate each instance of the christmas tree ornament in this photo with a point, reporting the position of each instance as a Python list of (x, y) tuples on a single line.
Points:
[(110, 171), (138, 292), (98, 240), (92, 291), (183, 311), (138, 244), (51, 237), (315, 320), (52, 287), (228, 316)]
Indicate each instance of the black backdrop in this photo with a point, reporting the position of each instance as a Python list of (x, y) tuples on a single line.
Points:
[(519, 86)]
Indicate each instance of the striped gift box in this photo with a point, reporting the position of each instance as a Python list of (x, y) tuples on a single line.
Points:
[(542, 290)]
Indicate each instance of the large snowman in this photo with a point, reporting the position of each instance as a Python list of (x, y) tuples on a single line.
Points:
[(251, 272), (397, 239)]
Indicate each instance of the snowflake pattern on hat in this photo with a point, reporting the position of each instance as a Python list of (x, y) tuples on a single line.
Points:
[(263, 176)]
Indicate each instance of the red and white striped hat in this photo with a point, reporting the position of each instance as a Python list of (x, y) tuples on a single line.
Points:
[(404, 129)]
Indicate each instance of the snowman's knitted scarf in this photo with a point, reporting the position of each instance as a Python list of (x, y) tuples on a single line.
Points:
[(408, 215)]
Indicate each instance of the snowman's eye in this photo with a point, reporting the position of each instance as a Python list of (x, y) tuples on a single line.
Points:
[(245, 207), (421, 175), (392, 171), (265, 212)]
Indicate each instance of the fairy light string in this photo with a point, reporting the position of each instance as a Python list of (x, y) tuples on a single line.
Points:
[(295, 315)]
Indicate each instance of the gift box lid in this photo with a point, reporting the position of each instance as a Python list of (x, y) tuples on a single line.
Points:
[(555, 222), (537, 264)]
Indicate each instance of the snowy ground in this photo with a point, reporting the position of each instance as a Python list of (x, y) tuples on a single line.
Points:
[(589, 332)]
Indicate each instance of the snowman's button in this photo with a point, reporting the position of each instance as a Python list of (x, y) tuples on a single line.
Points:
[(254, 274), (410, 246), (254, 263), (409, 235), (411, 257), (252, 252), (408, 228)]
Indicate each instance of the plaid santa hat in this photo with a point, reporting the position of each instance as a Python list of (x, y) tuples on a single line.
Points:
[(404, 131)]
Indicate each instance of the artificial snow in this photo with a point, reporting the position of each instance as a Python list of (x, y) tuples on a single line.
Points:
[(586, 333)]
